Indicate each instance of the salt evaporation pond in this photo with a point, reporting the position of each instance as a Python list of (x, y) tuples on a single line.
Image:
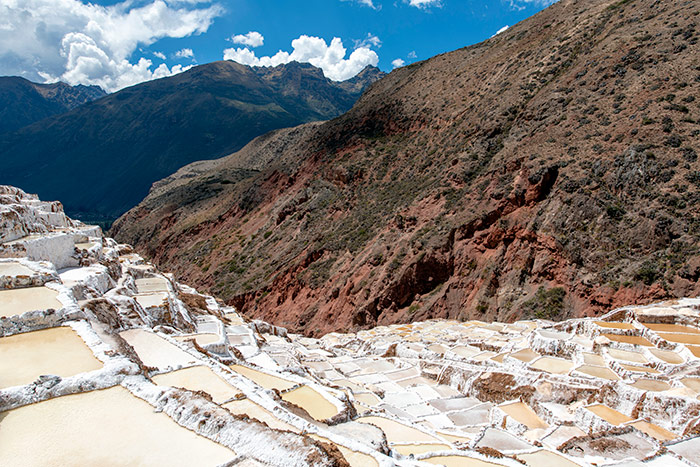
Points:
[(611, 416), (107, 428), (14, 270), (17, 301), (314, 403), (56, 351), (252, 410), (397, 433), (263, 379), (458, 461), (415, 449), (523, 414), (199, 378), (155, 351)]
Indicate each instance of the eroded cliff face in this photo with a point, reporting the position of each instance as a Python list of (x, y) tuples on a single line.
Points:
[(550, 171)]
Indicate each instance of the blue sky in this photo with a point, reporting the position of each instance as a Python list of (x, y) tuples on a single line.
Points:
[(119, 43)]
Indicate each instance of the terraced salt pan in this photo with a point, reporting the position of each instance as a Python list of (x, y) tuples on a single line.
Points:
[(152, 284), (593, 359), (671, 328), (56, 351), (201, 339), (553, 365), (522, 413), (199, 378), (107, 427), (546, 458), (651, 385), (693, 339), (639, 369), (667, 356), (253, 410), (398, 433), (611, 416), (598, 372), (654, 431), (310, 400), (85, 245), (151, 300), (627, 356), (155, 351), (263, 379), (525, 355), (354, 458), (692, 383), (14, 270), (458, 461), (415, 449), (17, 301), (614, 325), (634, 340)]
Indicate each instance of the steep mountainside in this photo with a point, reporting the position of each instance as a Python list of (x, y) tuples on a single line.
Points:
[(23, 102), (549, 171), (102, 158)]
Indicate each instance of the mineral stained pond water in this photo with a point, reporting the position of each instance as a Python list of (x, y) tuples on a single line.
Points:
[(107, 428), (55, 351)]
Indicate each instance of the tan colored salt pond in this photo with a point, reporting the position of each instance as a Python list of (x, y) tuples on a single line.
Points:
[(252, 410), (84, 245), (639, 368), (651, 385), (314, 403), (107, 427), (598, 372), (693, 339), (151, 299), (354, 458), (654, 431), (56, 351), (155, 351), (694, 349), (614, 325), (398, 432), (458, 461), (152, 284), (692, 383), (553, 365), (455, 438), (593, 359), (415, 449), (545, 458), (263, 379), (627, 355), (522, 413), (14, 270), (667, 356), (199, 378), (611, 416), (525, 355), (367, 398), (17, 301), (200, 339), (635, 340), (671, 328)]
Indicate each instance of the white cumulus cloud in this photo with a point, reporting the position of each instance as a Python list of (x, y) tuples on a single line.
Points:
[(85, 43), (160, 55), (314, 50), (184, 53), (425, 3), (370, 41), (369, 3), (503, 29), (398, 63), (252, 39)]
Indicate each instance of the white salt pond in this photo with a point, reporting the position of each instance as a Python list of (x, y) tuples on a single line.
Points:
[(252, 410), (397, 433), (458, 461), (150, 300), (56, 351), (354, 458), (415, 449), (545, 458), (199, 378), (17, 301), (108, 427), (314, 403), (155, 351), (598, 372), (553, 365), (201, 339), (14, 270), (151, 284)]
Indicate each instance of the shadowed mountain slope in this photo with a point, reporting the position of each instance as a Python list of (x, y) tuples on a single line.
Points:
[(101, 159), (550, 171), (23, 102)]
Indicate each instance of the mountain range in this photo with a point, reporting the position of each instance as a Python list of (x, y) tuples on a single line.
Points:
[(548, 172), (101, 158), (23, 102)]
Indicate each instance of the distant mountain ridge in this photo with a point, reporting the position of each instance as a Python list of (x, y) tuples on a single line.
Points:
[(23, 102), (101, 158)]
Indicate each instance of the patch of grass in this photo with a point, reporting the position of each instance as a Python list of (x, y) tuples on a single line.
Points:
[(547, 303)]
